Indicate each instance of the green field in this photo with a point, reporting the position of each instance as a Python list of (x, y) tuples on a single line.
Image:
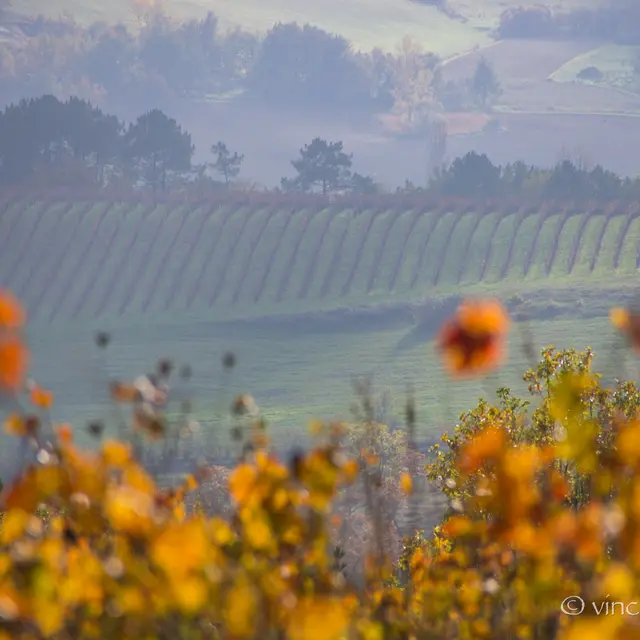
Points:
[(615, 62), (306, 297)]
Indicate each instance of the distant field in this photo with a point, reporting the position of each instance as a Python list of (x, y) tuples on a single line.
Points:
[(366, 23), (540, 76), (175, 281), (295, 372), (615, 62), (99, 260)]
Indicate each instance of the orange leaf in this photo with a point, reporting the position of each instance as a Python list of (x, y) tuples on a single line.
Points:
[(41, 398), (406, 484), (12, 313), (14, 358)]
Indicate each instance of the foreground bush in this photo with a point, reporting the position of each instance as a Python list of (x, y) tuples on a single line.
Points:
[(544, 518)]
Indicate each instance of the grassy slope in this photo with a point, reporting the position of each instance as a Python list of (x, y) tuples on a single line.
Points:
[(295, 373), (173, 266), (615, 62)]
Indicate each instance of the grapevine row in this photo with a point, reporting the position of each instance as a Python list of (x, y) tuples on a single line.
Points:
[(39, 278), (307, 279), (215, 240), (256, 241), (522, 214), (632, 214), (117, 273), (177, 281), (359, 251)]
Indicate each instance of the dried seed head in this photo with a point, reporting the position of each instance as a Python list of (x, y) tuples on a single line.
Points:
[(244, 405), (95, 429), (147, 421), (296, 462), (102, 339), (410, 413), (247, 450), (69, 535), (164, 367), (31, 425), (229, 360)]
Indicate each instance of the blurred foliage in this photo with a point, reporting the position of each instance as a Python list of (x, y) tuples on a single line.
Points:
[(543, 514)]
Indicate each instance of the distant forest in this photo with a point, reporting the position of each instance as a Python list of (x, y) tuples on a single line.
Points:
[(49, 144), (166, 62), (618, 23)]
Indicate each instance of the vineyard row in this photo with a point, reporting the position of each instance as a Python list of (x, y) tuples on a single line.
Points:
[(70, 259)]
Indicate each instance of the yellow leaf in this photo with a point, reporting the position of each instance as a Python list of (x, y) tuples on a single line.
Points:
[(240, 610), (129, 510), (619, 318), (190, 594), (318, 619), (192, 483), (116, 454), (13, 525), (618, 582), (593, 628), (49, 616), (181, 547), (316, 427), (130, 600), (241, 482), (15, 425), (629, 443), (406, 484), (258, 533)]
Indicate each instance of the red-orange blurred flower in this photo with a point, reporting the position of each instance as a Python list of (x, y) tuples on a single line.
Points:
[(484, 447), (124, 392), (628, 323), (473, 341), (14, 358), (41, 398), (12, 313), (65, 433)]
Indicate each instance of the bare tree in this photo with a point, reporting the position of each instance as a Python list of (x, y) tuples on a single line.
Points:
[(414, 94)]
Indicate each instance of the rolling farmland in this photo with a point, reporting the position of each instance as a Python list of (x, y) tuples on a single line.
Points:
[(173, 280), (83, 260)]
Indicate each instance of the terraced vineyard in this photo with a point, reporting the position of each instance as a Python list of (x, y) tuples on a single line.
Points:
[(160, 276), (104, 259)]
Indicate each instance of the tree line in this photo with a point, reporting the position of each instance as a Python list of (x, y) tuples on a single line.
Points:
[(45, 142), (49, 143), (167, 62), (617, 22)]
